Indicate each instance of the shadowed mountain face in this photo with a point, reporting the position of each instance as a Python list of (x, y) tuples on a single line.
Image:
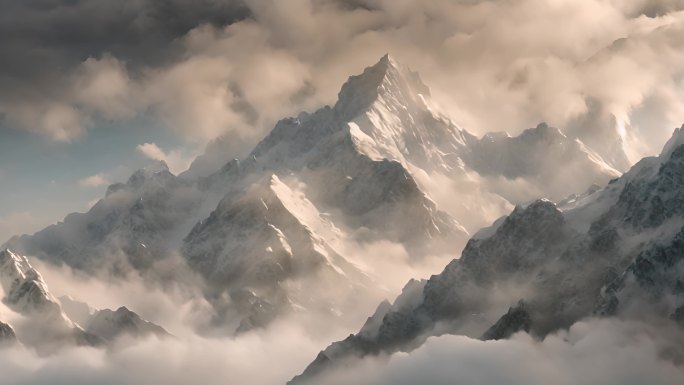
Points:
[(264, 230), (614, 252)]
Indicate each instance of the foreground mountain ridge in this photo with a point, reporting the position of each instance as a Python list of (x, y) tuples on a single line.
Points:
[(542, 269)]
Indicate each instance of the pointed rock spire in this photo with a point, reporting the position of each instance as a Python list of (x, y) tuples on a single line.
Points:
[(386, 78)]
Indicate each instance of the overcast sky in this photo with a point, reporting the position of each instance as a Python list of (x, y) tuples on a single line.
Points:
[(92, 90)]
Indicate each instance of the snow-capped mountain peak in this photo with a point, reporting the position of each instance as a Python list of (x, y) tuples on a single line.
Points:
[(24, 287), (388, 114), (13, 269), (26, 293), (385, 79)]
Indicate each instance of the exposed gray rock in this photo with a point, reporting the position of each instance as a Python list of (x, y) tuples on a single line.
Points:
[(517, 319)]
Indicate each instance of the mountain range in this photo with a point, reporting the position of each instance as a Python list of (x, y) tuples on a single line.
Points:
[(264, 232)]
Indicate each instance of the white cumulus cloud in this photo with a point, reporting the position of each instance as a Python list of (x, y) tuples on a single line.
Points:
[(177, 160), (96, 180)]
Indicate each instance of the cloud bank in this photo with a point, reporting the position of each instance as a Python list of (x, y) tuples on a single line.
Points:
[(591, 352), (176, 159), (211, 68), (96, 180)]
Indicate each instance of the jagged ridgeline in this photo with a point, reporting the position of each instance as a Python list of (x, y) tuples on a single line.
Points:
[(617, 251), (265, 231)]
